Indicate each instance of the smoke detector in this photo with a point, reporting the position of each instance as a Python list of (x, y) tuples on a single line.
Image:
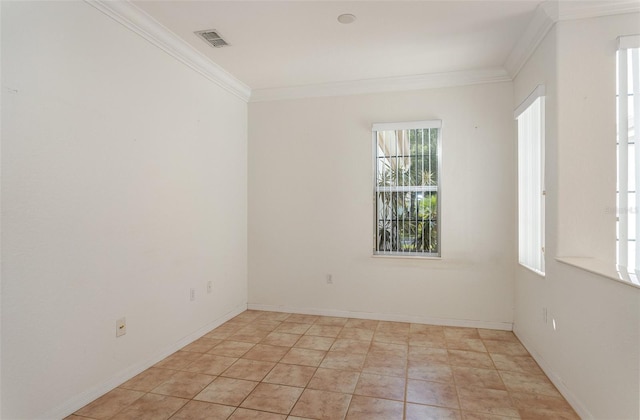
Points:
[(213, 38)]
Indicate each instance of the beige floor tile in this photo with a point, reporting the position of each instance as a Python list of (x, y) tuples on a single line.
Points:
[(541, 413), (231, 348), (391, 327), (247, 316), (356, 334), (151, 407), (390, 349), (227, 391), (332, 321), (184, 385), (249, 336), (200, 410), (524, 400), (343, 360), (460, 332), (250, 370), (427, 412), (202, 345), (109, 404), (526, 382), (432, 393), (209, 364), (324, 330), (485, 416), (367, 408), (343, 381), (273, 316), (391, 337), (470, 359), (245, 414), (148, 379), (302, 318), (222, 333), (366, 324), (471, 344), (475, 377), (489, 401), (429, 355), (426, 329), (497, 335), (266, 353), (512, 348), (272, 398), (292, 375), (315, 343), (322, 405), (281, 339), (178, 360), (430, 372), (385, 364), (428, 340), (305, 357), (352, 346), (388, 387), (267, 325), (524, 364), (292, 328)]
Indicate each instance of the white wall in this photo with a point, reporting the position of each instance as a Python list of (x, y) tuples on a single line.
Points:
[(123, 186), (593, 354), (311, 214)]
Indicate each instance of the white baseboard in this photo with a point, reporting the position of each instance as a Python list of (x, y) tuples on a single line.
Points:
[(74, 404), (506, 326), (571, 398)]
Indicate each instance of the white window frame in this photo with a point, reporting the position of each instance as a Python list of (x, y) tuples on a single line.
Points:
[(530, 115), (628, 55), (430, 189)]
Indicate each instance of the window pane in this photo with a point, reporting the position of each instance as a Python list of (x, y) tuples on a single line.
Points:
[(628, 104), (407, 190), (530, 186)]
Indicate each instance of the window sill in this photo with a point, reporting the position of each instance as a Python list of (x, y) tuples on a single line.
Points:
[(601, 268), (408, 257)]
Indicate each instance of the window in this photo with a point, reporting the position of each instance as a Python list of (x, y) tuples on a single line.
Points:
[(407, 188), (628, 109), (530, 117)]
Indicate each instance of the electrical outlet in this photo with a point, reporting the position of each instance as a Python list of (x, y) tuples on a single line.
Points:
[(209, 286), (121, 327), (329, 279), (192, 294)]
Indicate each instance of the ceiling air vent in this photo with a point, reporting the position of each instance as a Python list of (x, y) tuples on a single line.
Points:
[(213, 38)]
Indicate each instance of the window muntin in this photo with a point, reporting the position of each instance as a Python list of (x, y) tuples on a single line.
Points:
[(628, 114), (407, 188), (530, 117)]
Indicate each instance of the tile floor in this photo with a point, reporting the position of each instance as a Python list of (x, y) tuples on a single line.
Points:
[(272, 365)]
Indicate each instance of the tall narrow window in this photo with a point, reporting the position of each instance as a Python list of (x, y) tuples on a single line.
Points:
[(407, 188), (628, 109), (530, 116)]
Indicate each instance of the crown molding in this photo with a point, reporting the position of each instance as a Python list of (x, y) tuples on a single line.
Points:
[(536, 30), (550, 12), (390, 84), (572, 10), (135, 19)]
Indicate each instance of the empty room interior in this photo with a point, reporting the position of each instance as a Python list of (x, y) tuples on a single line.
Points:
[(320, 209)]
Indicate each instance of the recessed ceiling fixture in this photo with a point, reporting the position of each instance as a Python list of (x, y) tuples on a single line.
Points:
[(213, 38), (346, 18)]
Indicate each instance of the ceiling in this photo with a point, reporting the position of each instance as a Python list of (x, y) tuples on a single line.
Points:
[(276, 44)]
